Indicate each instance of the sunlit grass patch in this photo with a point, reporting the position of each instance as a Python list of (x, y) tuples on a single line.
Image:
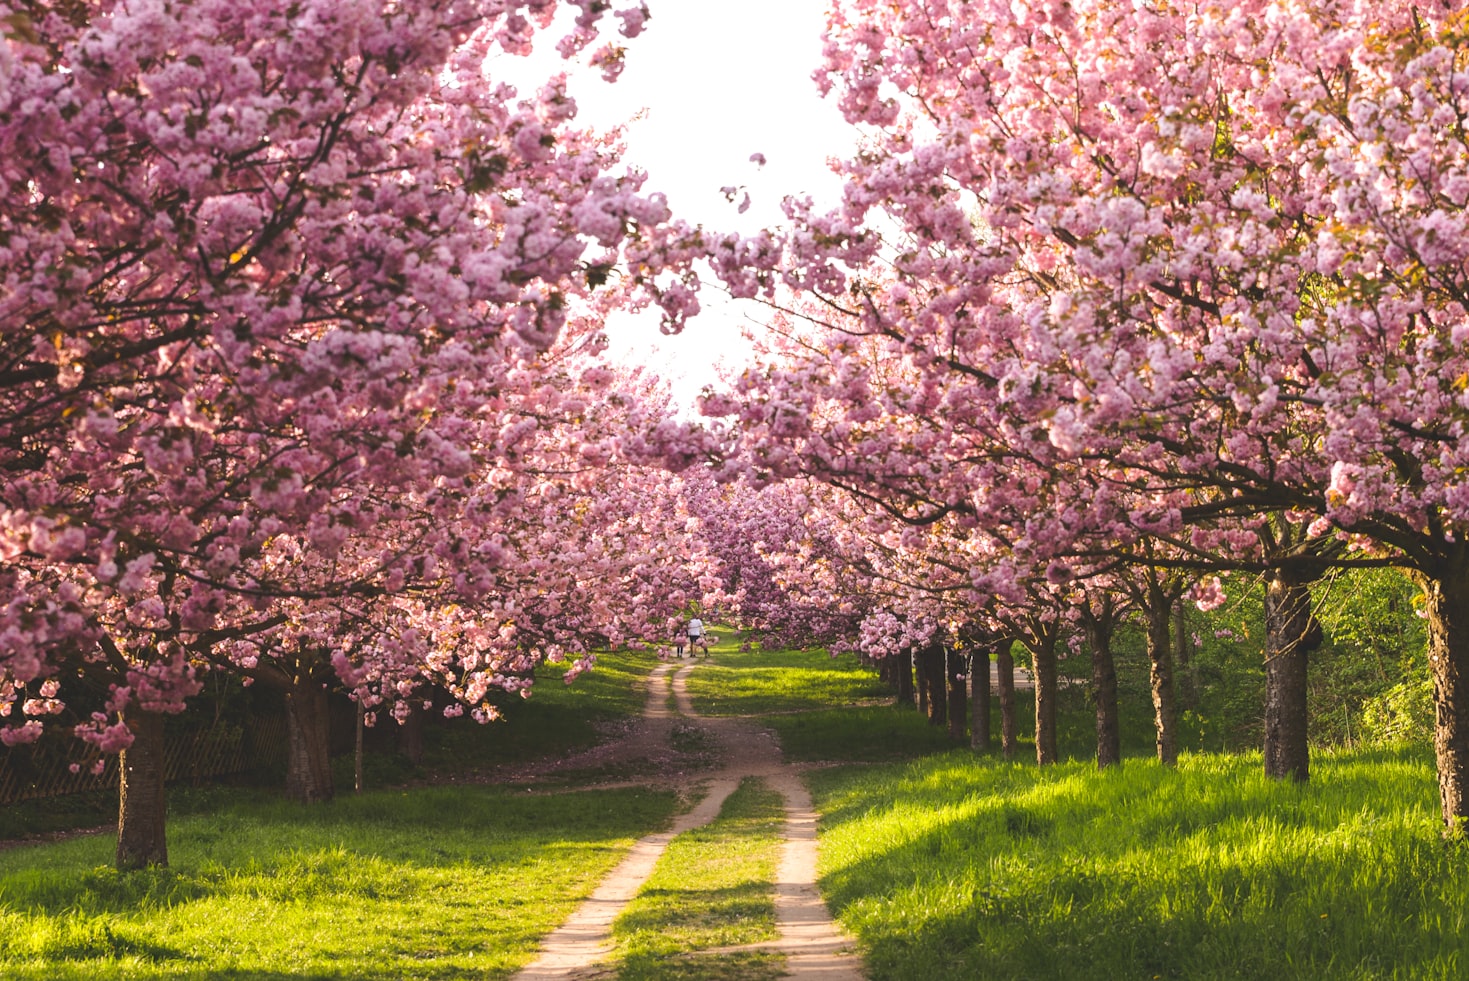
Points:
[(436, 883), (738, 965), (760, 682), (876, 733), (962, 867)]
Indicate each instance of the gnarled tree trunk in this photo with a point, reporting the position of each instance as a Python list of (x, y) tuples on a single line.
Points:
[(1005, 682), (979, 698), (142, 807), (1291, 633), (1446, 602), (308, 744), (958, 694)]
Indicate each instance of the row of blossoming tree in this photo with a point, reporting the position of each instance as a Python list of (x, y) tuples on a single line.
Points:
[(300, 376), (1124, 295), (300, 370)]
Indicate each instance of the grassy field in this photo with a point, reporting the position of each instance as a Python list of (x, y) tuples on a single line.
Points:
[(822, 708), (942, 863), (761, 682), (949, 865), (434, 883), (957, 867), (558, 719), (410, 881)]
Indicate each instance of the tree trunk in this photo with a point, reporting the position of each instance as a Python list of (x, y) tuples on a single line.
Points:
[(308, 744), (1188, 674), (1446, 602), (1043, 659), (1104, 691), (1160, 672), (958, 695), (937, 677), (903, 667), (142, 807), (358, 752), (1005, 682), (979, 699), (1291, 633), (920, 685), (410, 735)]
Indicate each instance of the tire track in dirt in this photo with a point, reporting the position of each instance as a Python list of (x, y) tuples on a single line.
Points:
[(814, 947)]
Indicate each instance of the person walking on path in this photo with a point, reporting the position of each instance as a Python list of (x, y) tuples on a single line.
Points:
[(696, 637)]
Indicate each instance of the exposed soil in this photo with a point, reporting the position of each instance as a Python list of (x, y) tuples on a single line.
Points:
[(813, 946), (48, 837)]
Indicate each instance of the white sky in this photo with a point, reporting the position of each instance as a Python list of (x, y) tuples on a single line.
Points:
[(719, 80)]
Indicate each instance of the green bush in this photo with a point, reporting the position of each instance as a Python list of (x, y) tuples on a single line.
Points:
[(1403, 713)]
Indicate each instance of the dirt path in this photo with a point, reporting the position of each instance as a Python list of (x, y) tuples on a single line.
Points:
[(814, 947)]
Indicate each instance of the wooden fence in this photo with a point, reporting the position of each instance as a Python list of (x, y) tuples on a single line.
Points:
[(45, 767)]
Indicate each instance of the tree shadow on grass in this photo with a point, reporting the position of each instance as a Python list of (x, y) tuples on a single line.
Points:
[(83, 940), (863, 734), (349, 847)]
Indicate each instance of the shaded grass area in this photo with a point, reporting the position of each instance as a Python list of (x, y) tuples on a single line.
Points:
[(761, 682), (849, 728), (956, 866), (863, 734), (434, 883), (713, 888), (27, 818), (556, 720), (837, 709)]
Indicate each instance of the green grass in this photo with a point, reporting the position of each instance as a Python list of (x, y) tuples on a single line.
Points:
[(556, 720), (762, 682), (713, 888), (432, 883), (865, 734), (821, 707), (27, 818), (960, 867), (944, 864)]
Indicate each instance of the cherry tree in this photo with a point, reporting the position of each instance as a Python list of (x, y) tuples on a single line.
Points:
[(1208, 257), (278, 280), (774, 553)]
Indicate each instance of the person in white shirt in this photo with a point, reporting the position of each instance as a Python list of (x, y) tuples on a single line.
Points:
[(696, 636)]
